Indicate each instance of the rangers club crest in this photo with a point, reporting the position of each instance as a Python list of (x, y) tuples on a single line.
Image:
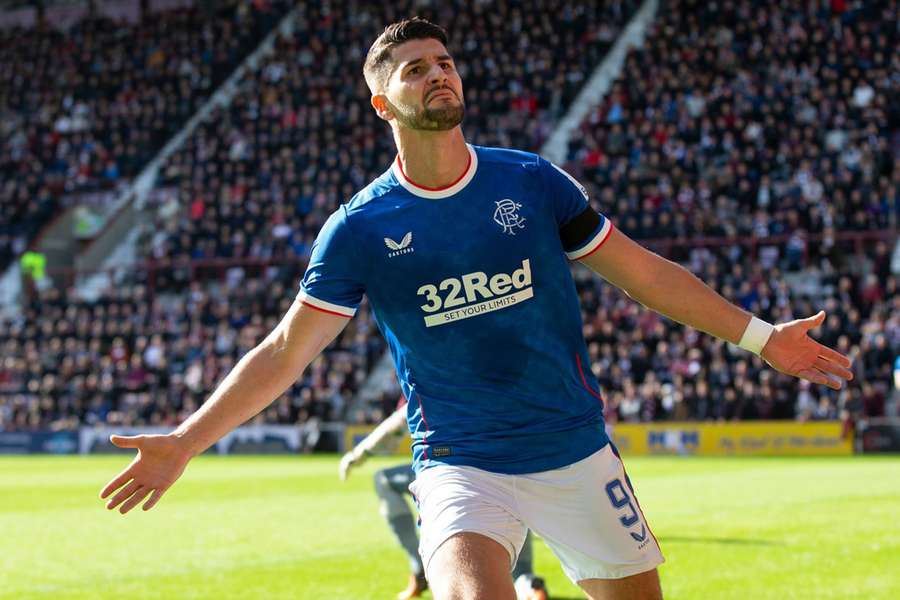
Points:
[(507, 216)]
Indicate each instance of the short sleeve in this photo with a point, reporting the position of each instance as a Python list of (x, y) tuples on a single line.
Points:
[(582, 230), (333, 281)]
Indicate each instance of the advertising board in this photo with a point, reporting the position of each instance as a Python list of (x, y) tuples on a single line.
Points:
[(758, 438), (46, 442), (252, 439), (879, 435)]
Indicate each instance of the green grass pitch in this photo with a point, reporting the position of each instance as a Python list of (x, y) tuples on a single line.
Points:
[(285, 527)]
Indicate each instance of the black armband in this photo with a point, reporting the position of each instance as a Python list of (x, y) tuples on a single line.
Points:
[(577, 232)]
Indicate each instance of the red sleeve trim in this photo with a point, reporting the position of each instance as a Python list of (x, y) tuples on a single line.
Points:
[(330, 312)]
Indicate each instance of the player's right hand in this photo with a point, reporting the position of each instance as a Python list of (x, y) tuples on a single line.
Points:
[(161, 459), (348, 461)]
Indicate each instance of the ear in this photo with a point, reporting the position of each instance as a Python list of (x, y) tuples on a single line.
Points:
[(382, 109)]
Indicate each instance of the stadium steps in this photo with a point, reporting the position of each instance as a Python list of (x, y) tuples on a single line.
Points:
[(600, 82)]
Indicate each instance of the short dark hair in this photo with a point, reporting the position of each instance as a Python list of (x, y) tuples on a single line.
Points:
[(377, 65)]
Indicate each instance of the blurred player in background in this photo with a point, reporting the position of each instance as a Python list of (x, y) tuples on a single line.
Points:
[(895, 408), (392, 486), (463, 254)]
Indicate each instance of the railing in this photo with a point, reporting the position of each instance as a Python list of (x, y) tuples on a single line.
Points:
[(149, 271), (857, 238)]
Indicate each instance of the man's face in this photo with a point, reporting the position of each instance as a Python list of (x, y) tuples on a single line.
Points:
[(424, 90)]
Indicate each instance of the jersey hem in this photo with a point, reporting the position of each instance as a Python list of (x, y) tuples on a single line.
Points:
[(581, 448)]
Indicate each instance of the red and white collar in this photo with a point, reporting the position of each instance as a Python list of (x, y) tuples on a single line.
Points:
[(441, 192)]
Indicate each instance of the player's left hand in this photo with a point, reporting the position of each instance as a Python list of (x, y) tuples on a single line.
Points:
[(348, 461), (791, 351)]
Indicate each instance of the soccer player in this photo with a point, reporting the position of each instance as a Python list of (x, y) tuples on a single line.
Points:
[(392, 486), (462, 252)]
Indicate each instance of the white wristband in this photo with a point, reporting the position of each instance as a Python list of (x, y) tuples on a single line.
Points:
[(756, 335)]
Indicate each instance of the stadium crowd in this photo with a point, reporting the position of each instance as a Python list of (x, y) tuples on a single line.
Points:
[(777, 123), (85, 109), (257, 181), (753, 119), (260, 177), (652, 369), (707, 135), (132, 359)]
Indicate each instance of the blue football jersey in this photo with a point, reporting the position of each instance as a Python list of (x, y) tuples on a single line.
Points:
[(471, 287)]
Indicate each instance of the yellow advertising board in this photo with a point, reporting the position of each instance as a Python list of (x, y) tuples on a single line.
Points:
[(748, 438), (398, 444), (757, 438)]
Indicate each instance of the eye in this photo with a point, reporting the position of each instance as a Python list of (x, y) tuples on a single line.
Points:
[(414, 71), (446, 66)]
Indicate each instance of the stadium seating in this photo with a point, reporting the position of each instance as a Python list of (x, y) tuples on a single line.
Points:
[(256, 182), (682, 154), (771, 126), (750, 119), (300, 137), (130, 359), (84, 110), (653, 369)]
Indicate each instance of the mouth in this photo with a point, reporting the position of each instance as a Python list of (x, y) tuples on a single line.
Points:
[(440, 92)]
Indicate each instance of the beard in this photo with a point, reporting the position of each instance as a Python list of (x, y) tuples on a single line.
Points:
[(427, 118)]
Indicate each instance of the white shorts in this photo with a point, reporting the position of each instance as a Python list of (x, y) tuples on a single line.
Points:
[(585, 512)]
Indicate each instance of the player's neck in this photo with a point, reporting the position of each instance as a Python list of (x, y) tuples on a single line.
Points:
[(432, 159)]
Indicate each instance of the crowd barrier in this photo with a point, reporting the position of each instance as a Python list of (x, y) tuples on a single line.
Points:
[(757, 438), (38, 442), (879, 435), (250, 439), (253, 439)]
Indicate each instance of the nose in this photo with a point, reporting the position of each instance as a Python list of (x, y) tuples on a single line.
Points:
[(436, 74)]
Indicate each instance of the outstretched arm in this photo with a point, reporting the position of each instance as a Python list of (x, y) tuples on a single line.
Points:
[(357, 455), (673, 291), (260, 377)]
